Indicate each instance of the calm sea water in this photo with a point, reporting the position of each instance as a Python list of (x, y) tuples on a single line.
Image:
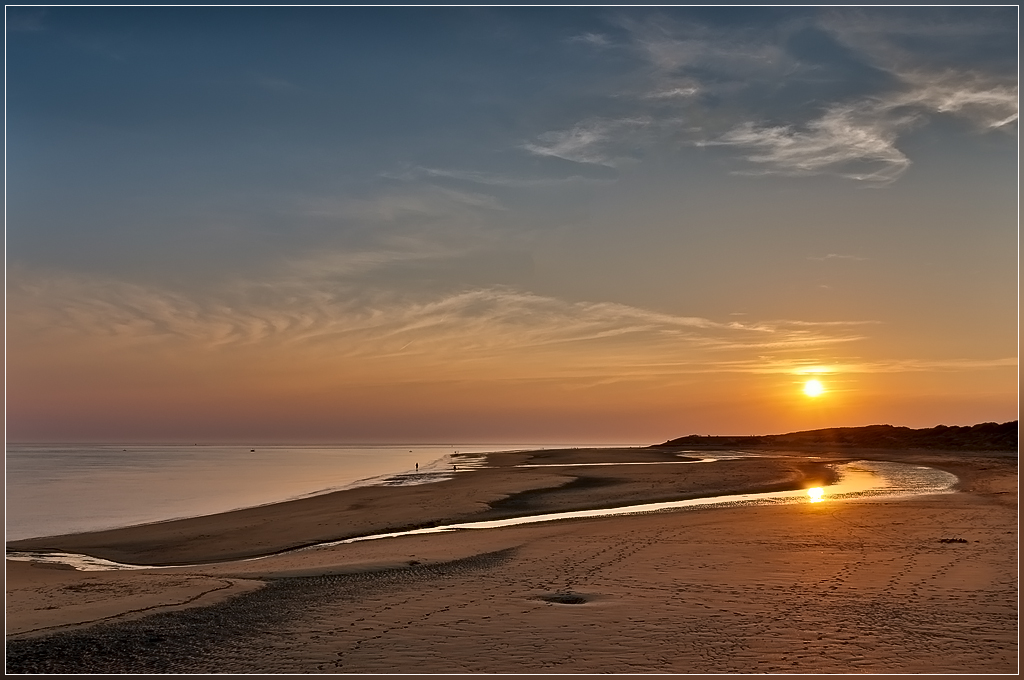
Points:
[(64, 489)]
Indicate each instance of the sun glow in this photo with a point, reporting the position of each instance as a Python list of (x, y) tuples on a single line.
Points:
[(815, 494), (813, 388)]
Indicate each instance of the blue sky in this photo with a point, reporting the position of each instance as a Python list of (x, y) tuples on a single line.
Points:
[(608, 223)]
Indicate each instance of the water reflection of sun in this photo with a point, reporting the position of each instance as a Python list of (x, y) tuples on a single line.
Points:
[(816, 494)]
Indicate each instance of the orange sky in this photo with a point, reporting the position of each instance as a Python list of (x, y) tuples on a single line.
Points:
[(547, 372), (576, 226)]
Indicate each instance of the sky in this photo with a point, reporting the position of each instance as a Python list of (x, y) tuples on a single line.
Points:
[(470, 224)]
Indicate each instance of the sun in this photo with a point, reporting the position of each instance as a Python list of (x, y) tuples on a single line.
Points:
[(813, 388)]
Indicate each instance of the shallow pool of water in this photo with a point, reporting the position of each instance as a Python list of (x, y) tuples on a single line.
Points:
[(861, 479)]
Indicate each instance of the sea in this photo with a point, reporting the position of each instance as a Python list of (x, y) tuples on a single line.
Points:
[(65, 488)]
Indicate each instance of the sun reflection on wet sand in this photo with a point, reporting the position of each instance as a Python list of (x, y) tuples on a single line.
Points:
[(862, 479)]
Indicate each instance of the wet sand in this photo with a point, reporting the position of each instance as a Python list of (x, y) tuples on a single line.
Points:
[(501, 490), (836, 587)]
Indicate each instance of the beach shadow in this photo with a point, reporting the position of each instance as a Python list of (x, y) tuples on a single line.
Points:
[(224, 637), (564, 598)]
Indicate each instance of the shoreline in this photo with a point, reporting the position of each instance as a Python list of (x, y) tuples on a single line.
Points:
[(407, 477), (170, 504), (500, 490), (518, 598), (846, 483)]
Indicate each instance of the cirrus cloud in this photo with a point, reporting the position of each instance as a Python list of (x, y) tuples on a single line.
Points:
[(333, 322)]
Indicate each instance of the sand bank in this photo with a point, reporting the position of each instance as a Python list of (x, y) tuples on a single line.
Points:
[(862, 586), (503, 489)]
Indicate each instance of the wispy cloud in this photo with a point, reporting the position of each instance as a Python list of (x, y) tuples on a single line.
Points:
[(422, 202), (858, 140), (855, 365), (489, 178), (853, 141), (592, 39), (481, 333), (339, 322), (610, 142), (835, 256), (673, 93), (914, 365), (583, 143), (352, 263), (902, 40), (855, 137), (673, 47), (678, 63), (986, 103)]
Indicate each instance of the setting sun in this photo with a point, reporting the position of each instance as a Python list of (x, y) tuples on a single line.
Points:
[(813, 388)]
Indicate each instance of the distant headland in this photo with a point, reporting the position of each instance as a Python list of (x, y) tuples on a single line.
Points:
[(981, 437)]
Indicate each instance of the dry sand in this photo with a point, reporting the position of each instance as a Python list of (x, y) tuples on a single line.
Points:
[(837, 587)]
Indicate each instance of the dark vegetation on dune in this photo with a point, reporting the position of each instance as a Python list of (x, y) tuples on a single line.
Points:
[(982, 437)]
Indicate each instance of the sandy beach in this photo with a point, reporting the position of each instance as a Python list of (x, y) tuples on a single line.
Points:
[(844, 586)]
